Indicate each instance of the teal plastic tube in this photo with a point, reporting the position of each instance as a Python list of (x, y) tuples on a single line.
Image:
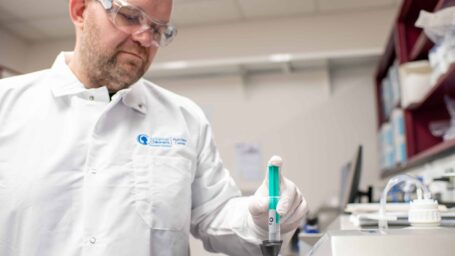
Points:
[(274, 197)]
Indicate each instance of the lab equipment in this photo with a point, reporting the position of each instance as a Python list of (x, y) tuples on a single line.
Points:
[(425, 237), (274, 195), (423, 210), (311, 225), (352, 185), (391, 242), (272, 246), (350, 180)]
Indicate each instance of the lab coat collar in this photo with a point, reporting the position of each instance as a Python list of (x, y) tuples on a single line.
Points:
[(133, 96), (68, 84), (66, 81)]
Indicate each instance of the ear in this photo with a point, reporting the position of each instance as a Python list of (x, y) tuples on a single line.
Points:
[(77, 11)]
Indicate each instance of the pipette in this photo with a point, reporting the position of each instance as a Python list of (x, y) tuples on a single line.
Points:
[(274, 196), (272, 246)]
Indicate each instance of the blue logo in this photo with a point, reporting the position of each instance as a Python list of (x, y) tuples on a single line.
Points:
[(168, 142), (143, 139)]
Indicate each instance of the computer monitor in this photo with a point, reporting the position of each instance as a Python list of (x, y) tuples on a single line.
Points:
[(350, 179)]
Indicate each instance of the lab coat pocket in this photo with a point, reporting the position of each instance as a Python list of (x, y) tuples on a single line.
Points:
[(162, 187)]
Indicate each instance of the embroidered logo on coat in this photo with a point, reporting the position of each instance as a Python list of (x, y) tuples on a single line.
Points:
[(146, 140)]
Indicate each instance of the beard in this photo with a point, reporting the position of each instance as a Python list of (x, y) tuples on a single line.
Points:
[(105, 66)]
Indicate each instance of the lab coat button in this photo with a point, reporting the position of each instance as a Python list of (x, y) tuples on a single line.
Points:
[(92, 240), (91, 98), (140, 105)]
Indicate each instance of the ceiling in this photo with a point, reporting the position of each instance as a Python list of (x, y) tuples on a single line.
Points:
[(48, 19)]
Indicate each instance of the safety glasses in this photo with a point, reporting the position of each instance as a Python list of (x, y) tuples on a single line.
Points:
[(133, 20)]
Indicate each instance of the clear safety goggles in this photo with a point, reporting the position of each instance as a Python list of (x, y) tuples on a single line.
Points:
[(133, 20)]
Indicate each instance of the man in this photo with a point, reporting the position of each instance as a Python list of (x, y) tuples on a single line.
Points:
[(95, 160)]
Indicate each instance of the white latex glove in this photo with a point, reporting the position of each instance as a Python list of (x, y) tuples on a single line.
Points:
[(291, 207)]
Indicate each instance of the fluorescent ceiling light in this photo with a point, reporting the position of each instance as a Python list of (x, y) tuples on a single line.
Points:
[(280, 57), (175, 65)]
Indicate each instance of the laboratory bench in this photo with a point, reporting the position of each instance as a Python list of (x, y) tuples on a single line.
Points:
[(343, 238)]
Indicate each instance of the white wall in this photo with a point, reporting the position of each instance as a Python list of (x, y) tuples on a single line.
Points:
[(332, 32), (13, 52), (295, 116), (42, 54)]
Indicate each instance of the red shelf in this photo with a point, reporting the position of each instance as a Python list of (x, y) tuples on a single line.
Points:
[(387, 58), (409, 43), (422, 146), (408, 35), (440, 150), (421, 48)]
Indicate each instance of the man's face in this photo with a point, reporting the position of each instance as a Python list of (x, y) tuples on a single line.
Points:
[(112, 57)]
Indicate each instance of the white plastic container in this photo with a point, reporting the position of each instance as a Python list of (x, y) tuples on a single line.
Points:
[(415, 81), (394, 78), (387, 101)]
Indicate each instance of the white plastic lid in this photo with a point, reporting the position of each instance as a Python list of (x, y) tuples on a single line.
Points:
[(424, 212)]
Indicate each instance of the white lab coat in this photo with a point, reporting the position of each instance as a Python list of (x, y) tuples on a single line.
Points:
[(83, 175)]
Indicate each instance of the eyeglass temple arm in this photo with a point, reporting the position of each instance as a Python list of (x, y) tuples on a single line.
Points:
[(107, 4)]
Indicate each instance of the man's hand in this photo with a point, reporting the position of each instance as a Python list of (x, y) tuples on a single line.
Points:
[(291, 207)]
